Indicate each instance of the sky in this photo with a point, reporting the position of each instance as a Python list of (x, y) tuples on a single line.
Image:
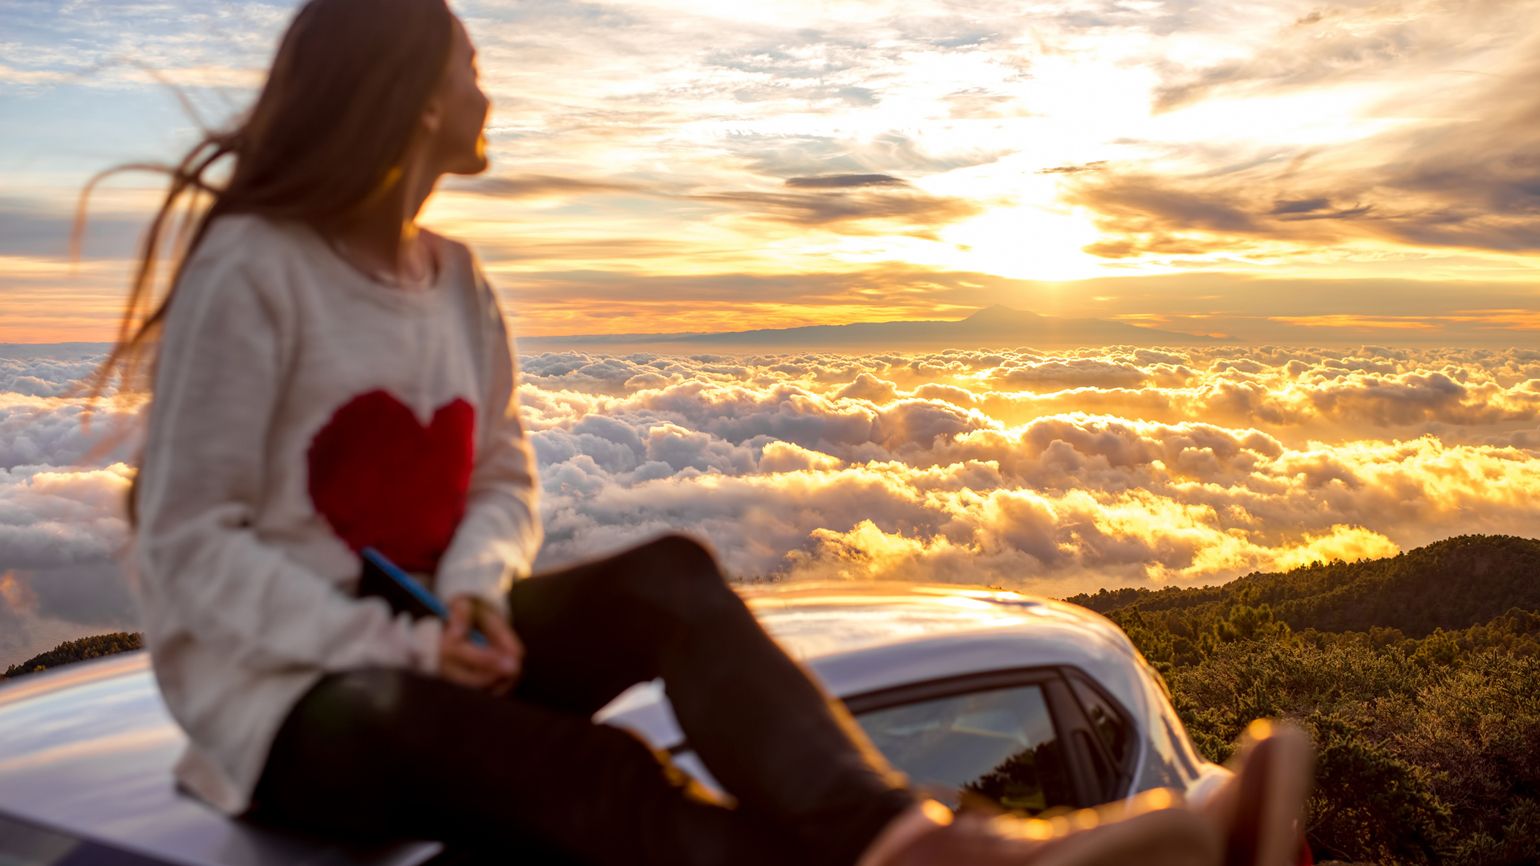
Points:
[(1292, 172), (1339, 203)]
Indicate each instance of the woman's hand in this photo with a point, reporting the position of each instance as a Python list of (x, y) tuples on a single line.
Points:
[(494, 667)]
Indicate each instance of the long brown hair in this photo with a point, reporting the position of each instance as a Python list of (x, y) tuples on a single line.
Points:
[(328, 133)]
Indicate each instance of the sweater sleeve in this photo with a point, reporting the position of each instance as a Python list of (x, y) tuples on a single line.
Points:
[(500, 533), (202, 568)]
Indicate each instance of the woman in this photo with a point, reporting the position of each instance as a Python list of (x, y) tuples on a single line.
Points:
[(328, 376)]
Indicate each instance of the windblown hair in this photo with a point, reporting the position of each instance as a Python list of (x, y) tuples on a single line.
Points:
[(327, 134)]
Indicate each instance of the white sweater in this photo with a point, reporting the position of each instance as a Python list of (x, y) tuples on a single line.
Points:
[(300, 412)]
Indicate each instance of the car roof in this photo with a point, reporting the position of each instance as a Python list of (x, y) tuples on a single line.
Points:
[(829, 618), (88, 748)]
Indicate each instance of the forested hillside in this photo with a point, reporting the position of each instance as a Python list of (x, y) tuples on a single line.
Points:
[(78, 650), (1418, 675), (1452, 584)]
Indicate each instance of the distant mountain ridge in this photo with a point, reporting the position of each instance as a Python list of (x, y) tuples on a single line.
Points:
[(996, 326), (1451, 584)]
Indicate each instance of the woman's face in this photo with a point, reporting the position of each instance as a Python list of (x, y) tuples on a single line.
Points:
[(456, 115)]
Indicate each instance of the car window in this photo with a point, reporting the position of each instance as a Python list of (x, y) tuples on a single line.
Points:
[(1111, 727), (1000, 744)]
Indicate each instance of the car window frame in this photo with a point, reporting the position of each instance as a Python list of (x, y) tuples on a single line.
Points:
[(1123, 772)]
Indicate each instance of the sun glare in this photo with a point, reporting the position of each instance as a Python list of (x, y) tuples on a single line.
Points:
[(1025, 242)]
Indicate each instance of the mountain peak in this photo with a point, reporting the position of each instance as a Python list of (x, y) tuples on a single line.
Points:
[(1001, 313)]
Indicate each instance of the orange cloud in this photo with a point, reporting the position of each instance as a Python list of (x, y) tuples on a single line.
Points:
[(1367, 323), (16, 595)]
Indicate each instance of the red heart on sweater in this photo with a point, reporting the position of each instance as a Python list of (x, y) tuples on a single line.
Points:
[(382, 479)]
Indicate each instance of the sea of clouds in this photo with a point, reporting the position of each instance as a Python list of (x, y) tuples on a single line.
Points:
[(1054, 472)]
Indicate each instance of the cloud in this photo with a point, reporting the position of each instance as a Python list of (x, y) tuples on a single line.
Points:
[(61, 496), (29, 227), (540, 185), (1053, 472), (1155, 214), (843, 181), (1467, 178), (1347, 43), (865, 386), (1095, 165), (1071, 373), (899, 474), (852, 212), (60, 535), (890, 151)]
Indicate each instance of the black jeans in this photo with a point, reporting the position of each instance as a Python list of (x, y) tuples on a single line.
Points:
[(530, 778)]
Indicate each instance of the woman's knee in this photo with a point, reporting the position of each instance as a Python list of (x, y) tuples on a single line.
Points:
[(332, 738), (682, 554), (678, 572), (359, 709)]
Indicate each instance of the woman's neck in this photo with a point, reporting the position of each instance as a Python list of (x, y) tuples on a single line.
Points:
[(382, 233)]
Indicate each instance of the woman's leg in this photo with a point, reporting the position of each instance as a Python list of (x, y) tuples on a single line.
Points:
[(769, 734), (381, 753)]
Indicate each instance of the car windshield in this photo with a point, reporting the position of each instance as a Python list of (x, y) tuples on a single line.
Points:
[(998, 744)]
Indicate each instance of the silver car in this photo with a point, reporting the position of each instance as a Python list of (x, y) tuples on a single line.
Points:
[(974, 693)]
